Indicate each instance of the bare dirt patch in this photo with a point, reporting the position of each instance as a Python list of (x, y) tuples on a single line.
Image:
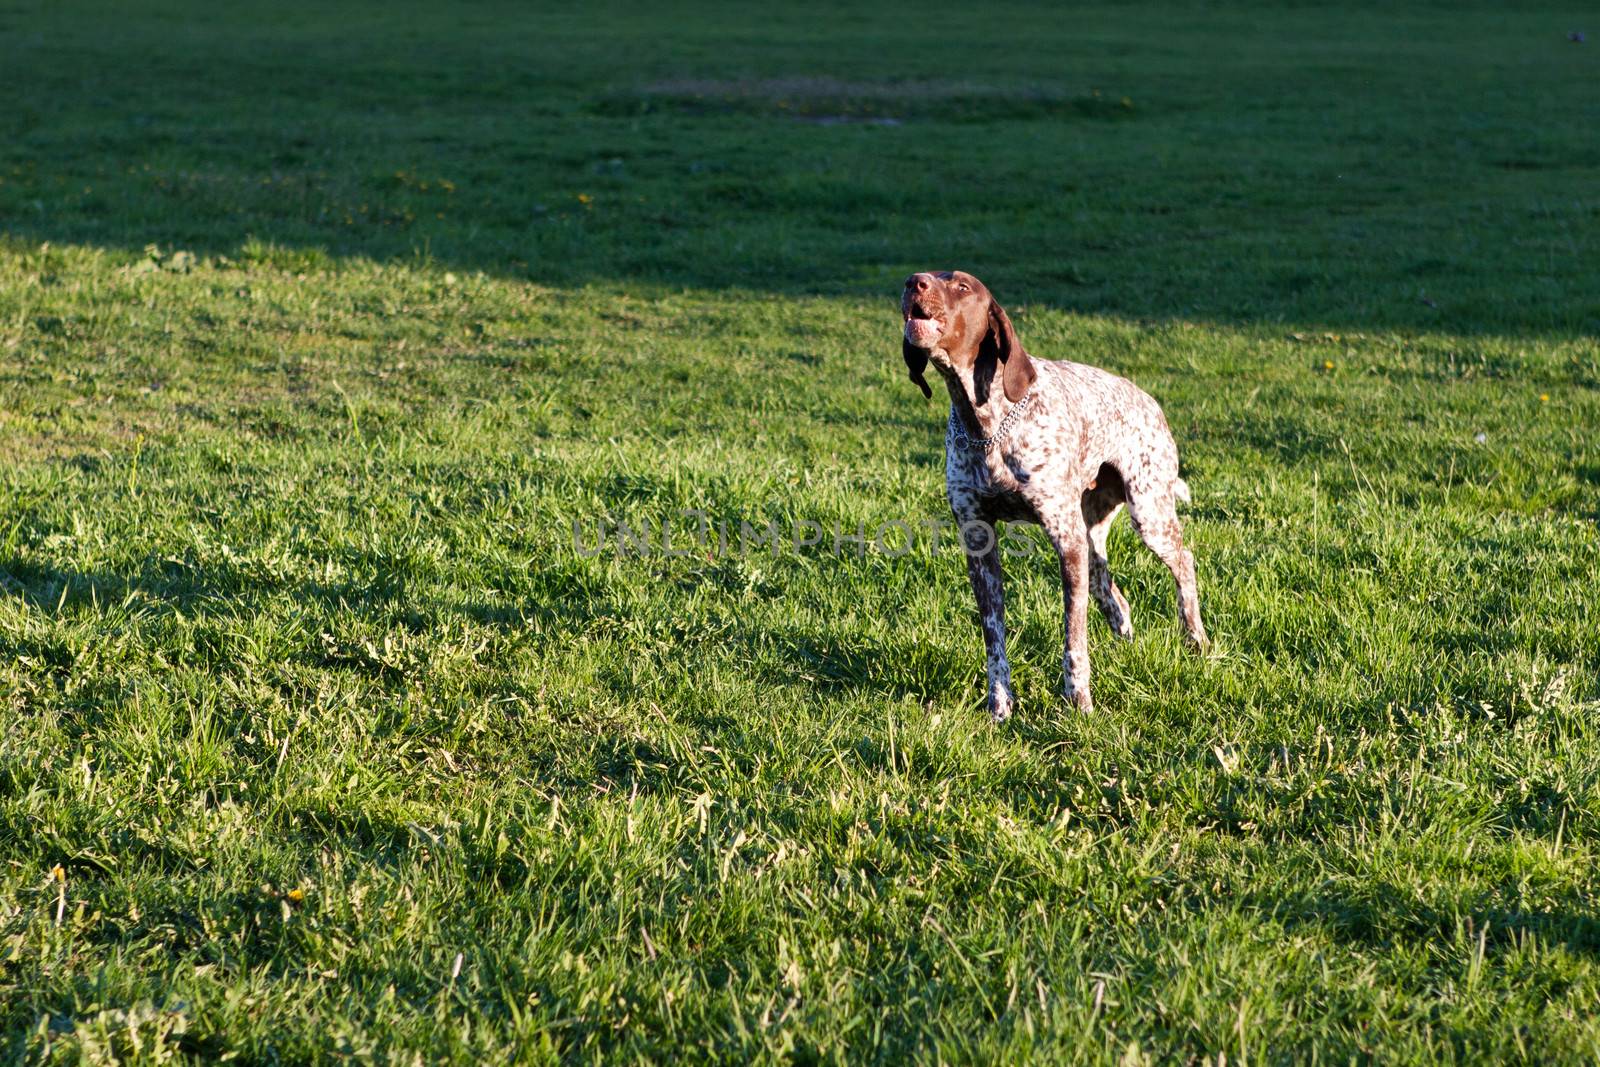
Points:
[(836, 101)]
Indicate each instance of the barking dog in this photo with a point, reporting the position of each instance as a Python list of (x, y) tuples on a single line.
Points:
[(1060, 444)]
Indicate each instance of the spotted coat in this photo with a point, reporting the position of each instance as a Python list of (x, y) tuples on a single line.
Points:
[(1084, 443)]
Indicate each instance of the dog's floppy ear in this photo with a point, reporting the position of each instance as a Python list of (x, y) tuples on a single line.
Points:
[(916, 363), (1000, 341)]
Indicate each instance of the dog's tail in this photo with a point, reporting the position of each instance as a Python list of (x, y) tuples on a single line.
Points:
[(1180, 489)]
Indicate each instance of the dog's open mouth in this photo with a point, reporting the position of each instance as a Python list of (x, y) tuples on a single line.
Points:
[(922, 328)]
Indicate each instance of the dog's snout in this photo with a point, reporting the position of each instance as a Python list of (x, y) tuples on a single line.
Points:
[(919, 282)]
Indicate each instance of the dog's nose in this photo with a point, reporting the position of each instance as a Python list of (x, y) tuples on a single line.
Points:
[(919, 282)]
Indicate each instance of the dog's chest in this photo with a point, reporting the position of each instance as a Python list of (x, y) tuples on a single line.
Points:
[(985, 473), (1025, 470), (998, 483)]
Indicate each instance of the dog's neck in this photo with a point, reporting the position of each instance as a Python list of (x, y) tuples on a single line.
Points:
[(980, 405)]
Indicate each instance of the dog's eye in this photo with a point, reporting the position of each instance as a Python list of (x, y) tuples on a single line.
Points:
[(964, 287)]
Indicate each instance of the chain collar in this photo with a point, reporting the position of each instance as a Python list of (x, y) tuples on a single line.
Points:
[(966, 442)]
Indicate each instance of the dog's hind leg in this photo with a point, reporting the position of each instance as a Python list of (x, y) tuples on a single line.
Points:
[(1100, 507), (1155, 518)]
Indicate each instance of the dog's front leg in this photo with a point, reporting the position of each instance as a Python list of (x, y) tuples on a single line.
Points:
[(988, 588), (1071, 540)]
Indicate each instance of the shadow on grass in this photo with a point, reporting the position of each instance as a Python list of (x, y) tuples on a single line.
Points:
[(1380, 915), (657, 152)]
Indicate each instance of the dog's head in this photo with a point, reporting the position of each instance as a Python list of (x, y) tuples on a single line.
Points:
[(952, 319)]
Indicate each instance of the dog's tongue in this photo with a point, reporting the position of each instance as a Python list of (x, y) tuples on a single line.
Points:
[(923, 333)]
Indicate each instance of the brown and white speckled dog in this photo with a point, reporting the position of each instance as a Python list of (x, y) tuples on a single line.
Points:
[(1060, 444)]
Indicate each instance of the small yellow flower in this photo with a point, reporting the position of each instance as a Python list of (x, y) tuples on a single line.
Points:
[(296, 896), (1327, 364), (58, 873), (585, 199), (1543, 397)]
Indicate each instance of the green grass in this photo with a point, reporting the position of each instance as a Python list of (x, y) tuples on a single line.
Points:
[(319, 329)]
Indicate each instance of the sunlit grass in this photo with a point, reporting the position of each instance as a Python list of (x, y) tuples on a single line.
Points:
[(323, 741)]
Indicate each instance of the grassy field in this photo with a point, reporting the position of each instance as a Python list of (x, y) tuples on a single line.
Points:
[(322, 741)]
